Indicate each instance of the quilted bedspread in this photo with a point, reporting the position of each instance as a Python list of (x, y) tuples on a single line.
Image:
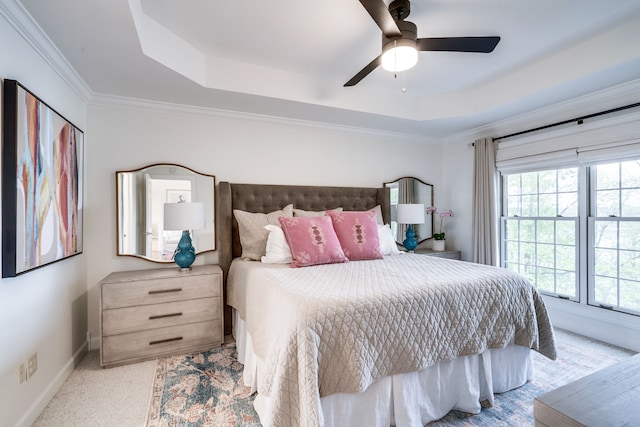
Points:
[(337, 328)]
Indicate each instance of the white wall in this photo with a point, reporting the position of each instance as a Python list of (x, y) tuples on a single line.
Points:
[(456, 193), (43, 311), (234, 148)]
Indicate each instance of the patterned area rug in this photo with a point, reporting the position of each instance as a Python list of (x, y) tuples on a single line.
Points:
[(201, 389), (205, 389)]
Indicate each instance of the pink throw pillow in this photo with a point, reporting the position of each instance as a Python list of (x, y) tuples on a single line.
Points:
[(312, 241), (358, 234)]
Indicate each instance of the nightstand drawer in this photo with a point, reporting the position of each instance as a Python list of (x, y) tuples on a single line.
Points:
[(140, 318), (156, 342), (128, 294)]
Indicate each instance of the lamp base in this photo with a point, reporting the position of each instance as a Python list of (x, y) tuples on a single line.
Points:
[(410, 243), (184, 270), (185, 253)]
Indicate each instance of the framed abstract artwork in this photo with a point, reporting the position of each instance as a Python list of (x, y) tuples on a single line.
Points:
[(42, 173)]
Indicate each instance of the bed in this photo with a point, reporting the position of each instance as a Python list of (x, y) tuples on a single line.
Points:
[(400, 340)]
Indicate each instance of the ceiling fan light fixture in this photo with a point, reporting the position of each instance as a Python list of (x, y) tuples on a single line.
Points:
[(400, 42), (399, 55)]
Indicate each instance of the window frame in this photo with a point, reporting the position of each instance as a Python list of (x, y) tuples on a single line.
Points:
[(579, 225), (591, 220), (585, 232)]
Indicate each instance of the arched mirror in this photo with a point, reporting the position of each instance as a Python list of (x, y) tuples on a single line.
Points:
[(410, 190), (141, 195)]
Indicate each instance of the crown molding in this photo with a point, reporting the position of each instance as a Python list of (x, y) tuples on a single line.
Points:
[(190, 110), (18, 17), (613, 97)]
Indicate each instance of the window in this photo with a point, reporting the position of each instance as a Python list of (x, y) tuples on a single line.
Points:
[(614, 228), (542, 229)]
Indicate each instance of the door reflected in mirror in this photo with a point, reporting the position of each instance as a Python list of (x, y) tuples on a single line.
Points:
[(141, 195), (410, 190)]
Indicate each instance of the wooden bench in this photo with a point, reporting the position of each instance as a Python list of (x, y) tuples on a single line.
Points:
[(609, 397)]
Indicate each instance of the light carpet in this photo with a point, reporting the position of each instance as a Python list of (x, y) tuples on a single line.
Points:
[(205, 389)]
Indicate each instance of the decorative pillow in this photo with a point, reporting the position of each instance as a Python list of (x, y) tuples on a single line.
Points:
[(301, 212), (278, 251), (388, 244), (312, 241), (253, 236), (358, 234), (379, 218)]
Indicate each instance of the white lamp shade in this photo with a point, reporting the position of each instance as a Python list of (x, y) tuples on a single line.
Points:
[(184, 216), (410, 213)]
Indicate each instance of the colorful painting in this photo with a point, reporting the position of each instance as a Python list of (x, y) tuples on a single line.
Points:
[(42, 169)]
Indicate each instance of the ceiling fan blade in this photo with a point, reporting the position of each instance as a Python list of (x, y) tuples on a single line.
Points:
[(379, 12), (364, 72), (459, 44)]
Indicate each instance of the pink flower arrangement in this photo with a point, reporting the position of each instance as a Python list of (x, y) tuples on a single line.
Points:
[(432, 210)]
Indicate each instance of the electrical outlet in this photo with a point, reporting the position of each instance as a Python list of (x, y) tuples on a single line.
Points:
[(32, 365), (22, 373)]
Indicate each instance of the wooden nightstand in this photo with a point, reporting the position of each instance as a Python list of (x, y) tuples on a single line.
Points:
[(441, 254), (147, 314)]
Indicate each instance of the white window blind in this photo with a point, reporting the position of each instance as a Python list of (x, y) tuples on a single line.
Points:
[(609, 152), (612, 139), (541, 161)]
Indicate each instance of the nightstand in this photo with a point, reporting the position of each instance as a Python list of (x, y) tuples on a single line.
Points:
[(147, 314), (441, 254)]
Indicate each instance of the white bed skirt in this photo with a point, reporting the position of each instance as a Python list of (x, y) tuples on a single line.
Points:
[(412, 399)]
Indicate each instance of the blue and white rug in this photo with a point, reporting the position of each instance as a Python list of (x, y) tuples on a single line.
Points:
[(205, 389), (201, 389)]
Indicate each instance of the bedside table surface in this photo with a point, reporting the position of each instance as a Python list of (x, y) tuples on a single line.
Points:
[(448, 253), (159, 273)]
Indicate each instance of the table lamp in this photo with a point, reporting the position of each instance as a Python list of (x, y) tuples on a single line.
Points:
[(184, 216), (410, 214)]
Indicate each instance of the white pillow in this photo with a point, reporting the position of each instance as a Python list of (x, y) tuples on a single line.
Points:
[(388, 244), (379, 215), (278, 251), (253, 237)]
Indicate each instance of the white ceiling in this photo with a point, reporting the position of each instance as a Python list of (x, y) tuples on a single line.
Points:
[(290, 58)]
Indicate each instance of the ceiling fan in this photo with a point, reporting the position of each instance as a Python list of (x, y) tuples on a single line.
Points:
[(400, 42)]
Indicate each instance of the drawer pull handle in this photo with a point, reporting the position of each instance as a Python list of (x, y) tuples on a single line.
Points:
[(164, 341), (160, 316), (164, 291)]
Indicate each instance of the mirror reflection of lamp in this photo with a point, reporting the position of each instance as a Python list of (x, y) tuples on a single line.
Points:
[(410, 214), (184, 216)]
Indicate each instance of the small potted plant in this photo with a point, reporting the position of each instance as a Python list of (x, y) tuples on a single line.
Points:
[(438, 238)]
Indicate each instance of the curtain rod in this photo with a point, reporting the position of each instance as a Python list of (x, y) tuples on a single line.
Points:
[(579, 121)]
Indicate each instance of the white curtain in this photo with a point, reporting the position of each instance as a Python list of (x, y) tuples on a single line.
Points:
[(485, 203)]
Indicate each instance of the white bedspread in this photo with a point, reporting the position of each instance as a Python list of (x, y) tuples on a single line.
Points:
[(337, 328)]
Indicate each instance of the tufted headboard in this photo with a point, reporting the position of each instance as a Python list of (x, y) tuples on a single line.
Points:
[(269, 198)]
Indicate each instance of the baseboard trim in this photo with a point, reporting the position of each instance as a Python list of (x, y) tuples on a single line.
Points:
[(30, 416), (95, 343), (620, 329)]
